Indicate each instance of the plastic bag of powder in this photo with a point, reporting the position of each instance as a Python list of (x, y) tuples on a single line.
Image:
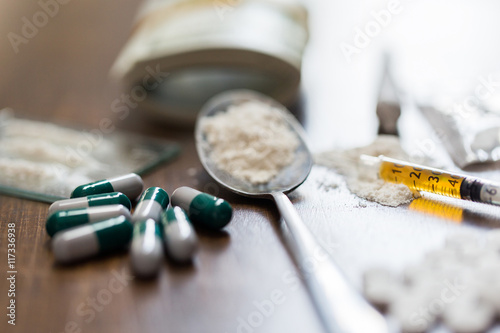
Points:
[(45, 162)]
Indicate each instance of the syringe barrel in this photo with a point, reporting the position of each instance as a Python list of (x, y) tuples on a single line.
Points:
[(420, 178)]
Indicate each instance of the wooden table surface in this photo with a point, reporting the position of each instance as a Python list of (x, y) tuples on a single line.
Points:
[(243, 279)]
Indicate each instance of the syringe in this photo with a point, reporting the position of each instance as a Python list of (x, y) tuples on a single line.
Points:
[(422, 178)]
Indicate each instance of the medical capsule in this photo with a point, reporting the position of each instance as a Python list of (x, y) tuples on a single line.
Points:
[(151, 203), (92, 239), (203, 209), (131, 185), (115, 198), (179, 236), (146, 252), (70, 218)]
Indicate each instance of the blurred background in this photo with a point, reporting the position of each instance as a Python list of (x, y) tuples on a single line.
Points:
[(434, 47)]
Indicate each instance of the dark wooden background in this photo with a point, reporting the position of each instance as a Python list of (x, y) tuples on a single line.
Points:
[(61, 76)]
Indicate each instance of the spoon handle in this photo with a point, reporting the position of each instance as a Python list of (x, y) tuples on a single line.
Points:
[(340, 306)]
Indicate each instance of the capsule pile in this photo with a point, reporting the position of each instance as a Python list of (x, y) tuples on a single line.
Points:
[(458, 285), (98, 220)]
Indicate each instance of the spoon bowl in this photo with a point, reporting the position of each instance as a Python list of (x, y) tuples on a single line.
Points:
[(340, 307), (286, 181)]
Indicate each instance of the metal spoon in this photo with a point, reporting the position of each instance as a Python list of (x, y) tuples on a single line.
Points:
[(340, 306)]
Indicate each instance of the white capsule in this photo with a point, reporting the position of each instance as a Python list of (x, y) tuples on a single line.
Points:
[(179, 236), (146, 252)]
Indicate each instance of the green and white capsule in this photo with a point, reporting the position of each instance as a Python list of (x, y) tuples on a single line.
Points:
[(151, 203), (179, 236), (92, 239), (115, 198), (146, 252), (70, 218), (203, 209), (131, 185)]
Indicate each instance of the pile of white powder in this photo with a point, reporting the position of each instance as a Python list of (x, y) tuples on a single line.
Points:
[(251, 141), (364, 184)]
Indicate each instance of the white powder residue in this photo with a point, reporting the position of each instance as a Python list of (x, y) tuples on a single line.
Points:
[(368, 185), (379, 191), (40, 150), (36, 130), (251, 141), (49, 177)]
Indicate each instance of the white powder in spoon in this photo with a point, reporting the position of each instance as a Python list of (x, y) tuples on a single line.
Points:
[(251, 141), (368, 185)]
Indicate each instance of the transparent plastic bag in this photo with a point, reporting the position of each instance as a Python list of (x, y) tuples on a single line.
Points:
[(45, 162)]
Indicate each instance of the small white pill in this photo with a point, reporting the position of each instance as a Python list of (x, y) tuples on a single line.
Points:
[(411, 311), (380, 286), (440, 258), (468, 314), (461, 240), (488, 259), (429, 288), (472, 256)]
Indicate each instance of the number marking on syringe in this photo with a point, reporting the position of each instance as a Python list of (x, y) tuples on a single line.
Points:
[(422, 179), (437, 181), (489, 193)]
